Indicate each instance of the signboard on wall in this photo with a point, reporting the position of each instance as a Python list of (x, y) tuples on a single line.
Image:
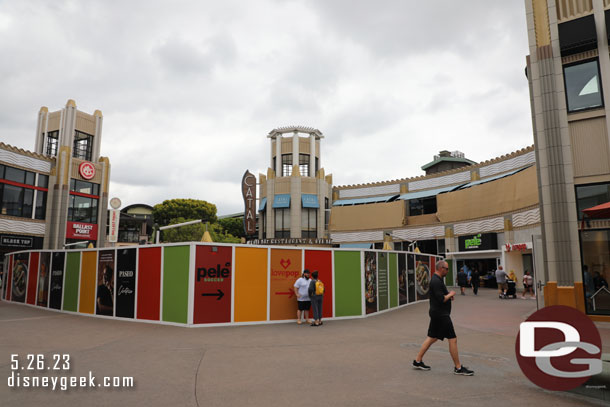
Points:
[(370, 281), (125, 283), (212, 284), (57, 280), (423, 274), (402, 279), (81, 230), (248, 190), (480, 241), (20, 276), (285, 270), (43, 279), (104, 301), (113, 221)]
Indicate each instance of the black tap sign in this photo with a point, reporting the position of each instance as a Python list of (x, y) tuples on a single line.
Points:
[(125, 283), (57, 279)]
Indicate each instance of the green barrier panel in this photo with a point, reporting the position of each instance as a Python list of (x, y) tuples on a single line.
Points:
[(382, 275), (175, 283), (449, 276), (71, 281), (348, 284), (393, 280)]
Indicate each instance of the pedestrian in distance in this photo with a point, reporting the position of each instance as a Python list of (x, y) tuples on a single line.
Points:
[(475, 281), (441, 326), (501, 278), (301, 289), (462, 278), (528, 281), (316, 293)]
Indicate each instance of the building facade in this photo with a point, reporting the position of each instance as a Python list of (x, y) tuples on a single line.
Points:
[(295, 194), (568, 71), (56, 195), (480, 215)]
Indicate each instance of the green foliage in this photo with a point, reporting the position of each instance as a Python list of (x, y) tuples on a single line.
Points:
[(234, 226), (188, 233), (194, 233), (170, 210)]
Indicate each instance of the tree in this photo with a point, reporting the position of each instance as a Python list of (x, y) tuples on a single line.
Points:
[(172, 209), (194, 233), (233, 226)]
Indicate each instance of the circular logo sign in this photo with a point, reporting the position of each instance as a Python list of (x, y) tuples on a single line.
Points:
[(559, 348), (86, 170), (115, 203)]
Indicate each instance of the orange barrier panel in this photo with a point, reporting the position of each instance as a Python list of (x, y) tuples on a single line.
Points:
[(285, 270), (87, 283), (250, 284)]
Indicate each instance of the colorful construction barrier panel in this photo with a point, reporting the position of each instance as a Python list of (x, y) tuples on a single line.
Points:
[(202, 284)]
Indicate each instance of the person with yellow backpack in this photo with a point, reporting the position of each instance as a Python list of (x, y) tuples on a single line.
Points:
[(316, 294)]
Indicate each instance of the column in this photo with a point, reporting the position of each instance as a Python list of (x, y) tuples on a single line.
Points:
[(312, 155), (278, 155), (295, 149)]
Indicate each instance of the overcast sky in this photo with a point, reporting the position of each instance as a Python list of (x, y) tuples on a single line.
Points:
[(189, 90)]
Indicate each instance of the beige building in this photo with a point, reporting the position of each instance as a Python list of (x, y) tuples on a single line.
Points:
[(493, 203), (568, 70), (295, 193), (58, 194)]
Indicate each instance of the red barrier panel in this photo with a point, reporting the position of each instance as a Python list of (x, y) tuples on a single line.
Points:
[(213, 273), (33, 278), (321, 260), (149, 283)]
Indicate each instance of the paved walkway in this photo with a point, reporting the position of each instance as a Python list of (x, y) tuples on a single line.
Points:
[(359, 362)]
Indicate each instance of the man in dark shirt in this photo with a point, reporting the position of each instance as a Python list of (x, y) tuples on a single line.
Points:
[(441, 326)]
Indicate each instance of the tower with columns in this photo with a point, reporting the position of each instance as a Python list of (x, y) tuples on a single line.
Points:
[(295, 193)]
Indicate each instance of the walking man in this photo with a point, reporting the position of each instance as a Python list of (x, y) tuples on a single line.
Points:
[(441, 326)]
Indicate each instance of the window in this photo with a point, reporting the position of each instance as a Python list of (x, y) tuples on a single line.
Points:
[(263, 216), (84, 187), (583, 87), (82, 209), (422, 206), (282, 223), (317, 166), (41, 205), (52, 142), (43, 181), (286, 165), (588, 196), (82, 146), (18, 200), (595, 258), (309, 222), (304, 165)]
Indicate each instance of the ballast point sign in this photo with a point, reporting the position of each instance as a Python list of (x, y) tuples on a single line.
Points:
[(80, 230), (86, 170)]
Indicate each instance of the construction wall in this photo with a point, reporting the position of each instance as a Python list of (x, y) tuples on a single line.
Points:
[(197, 284)]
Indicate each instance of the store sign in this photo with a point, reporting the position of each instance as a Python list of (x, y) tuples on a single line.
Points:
[(21, 242), (113, 234), (248, 190), (86, 170), (480, 241), (521, 247), (279, 242), (80, 230)]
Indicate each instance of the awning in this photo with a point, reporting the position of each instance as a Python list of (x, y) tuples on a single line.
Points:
[(355, 245), (281, 201), (357, 201), (483, 181), (598, 212), (576, 36), (263, 204), (310, 201), (428, 193)]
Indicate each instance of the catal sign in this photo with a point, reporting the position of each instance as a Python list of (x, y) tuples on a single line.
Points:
[(248, 190)]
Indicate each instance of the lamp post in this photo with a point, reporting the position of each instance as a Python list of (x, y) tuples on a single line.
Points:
[(177, 225)]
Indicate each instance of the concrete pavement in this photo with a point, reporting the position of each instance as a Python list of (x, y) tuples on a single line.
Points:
[(358, 362)]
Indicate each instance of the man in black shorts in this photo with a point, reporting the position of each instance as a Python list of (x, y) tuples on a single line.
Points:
[(441, 326)]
